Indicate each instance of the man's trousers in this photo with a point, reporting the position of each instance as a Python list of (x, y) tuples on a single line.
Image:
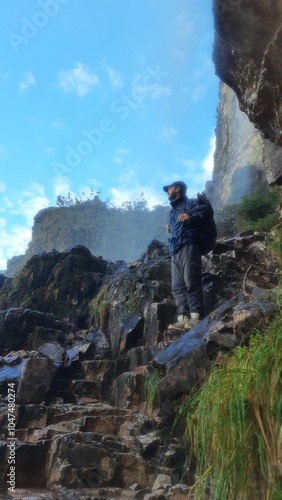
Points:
[(186, 278)]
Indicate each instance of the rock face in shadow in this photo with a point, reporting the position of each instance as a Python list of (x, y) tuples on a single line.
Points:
[(56, 283), (247, 49), (79, 336), (246, 54)]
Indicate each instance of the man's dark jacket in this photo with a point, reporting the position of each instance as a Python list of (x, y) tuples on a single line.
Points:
[(184, 233)]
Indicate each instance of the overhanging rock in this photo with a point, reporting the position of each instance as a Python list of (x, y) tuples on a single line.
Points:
[(247, 56)]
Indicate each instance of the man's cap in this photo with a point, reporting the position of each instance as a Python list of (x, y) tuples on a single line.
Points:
[(180, 184)]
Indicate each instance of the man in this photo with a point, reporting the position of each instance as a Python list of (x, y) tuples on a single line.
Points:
[(185, 257)]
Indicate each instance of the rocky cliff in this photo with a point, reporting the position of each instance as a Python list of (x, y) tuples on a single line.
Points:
[(114, 233), (79, 337), (248, 43), (239, 160), (247, 48)]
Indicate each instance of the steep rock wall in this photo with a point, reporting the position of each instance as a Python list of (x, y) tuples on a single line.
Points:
[(239, 160), (247, 50), (247, 55)]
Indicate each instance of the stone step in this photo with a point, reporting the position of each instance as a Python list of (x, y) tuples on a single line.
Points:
[(80, 388), (100, 418), (35, 416), (90, 369), (101, 425), (70, 494), (75, 459), (81, 446), (85, 446)]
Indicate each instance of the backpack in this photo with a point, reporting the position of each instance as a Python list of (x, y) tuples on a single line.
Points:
[(207, 232)]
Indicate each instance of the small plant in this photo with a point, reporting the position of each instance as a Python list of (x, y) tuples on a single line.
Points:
[(275, 248), (150, 389), (99, 307), (133, 304), (233, 423)]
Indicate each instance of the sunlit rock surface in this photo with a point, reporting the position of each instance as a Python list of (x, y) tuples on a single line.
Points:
[(239, 159)]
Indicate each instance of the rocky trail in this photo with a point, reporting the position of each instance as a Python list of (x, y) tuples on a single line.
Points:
[(75, 420)]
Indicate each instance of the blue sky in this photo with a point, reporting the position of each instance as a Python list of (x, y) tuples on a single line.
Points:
[(117, 95)]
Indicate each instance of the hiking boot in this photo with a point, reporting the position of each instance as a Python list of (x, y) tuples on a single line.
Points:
[(180, 325), (193, 321)]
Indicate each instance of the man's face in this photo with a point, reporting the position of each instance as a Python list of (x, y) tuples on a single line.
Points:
[(173, 193)]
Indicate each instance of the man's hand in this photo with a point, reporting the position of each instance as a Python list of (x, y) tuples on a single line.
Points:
[(184, 217), (167, 228)]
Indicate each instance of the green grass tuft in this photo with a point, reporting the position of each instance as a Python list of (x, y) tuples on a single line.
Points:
[(99, 307), (233, 423), (150, 389), (275, 247)]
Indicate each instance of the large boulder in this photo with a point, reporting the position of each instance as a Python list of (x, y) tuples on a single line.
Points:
[(59, 283), (186, 362)]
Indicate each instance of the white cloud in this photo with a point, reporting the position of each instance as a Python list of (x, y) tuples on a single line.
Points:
[(15, 236), (78, 80), (25, 203), (2, 187), (195, 173), (128, 177), (120, 153), (30, 201), (188, 163), (142, 90), (61, 186), (130, 189), (119, 196), (115, 77), (14, 241), (168, 133), (27, 81), (57, 123), (118, 159), (123, 151)]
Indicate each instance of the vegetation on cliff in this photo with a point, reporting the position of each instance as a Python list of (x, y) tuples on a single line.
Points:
[(122, 233), (115, 233), (259, 211), (233, 423)]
